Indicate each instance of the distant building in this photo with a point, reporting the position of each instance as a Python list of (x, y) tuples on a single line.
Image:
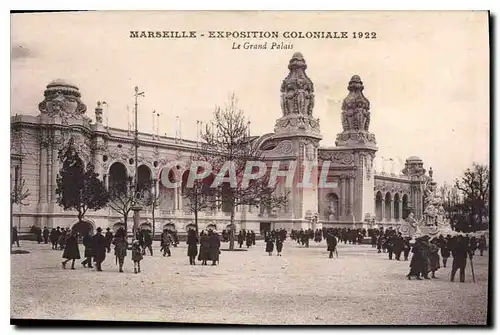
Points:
[(358, 196)]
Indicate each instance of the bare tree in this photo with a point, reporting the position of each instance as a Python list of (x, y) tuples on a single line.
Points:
[(124, 198), (475, 187), (199, 195), (227, 140), (18, 195), (154, 200)]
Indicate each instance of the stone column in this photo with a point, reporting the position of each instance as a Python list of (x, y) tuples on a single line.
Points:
[(392, 210), (383, 210), (176, 200), (342, 197), (43, 174), (54, 172), (400, 210), (351, 197), (179, 196)]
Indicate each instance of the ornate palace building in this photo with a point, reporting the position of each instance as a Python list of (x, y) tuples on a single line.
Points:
[(357, 196)]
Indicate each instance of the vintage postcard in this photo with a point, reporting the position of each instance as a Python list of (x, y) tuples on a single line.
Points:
[(250, 168)]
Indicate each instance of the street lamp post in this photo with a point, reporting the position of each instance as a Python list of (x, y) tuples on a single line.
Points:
[(136, 208)]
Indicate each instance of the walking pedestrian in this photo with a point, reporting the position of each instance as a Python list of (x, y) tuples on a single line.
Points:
[(71, 251)]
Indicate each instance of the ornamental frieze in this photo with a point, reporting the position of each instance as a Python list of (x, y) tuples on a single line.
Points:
[(341, 158)]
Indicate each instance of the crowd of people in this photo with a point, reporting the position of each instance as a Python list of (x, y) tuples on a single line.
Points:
[(427, 253)]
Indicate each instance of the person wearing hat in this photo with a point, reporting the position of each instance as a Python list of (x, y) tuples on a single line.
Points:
[(109, 238), (99, 248), (460, 252), (136, 256), (120, 243), (71, 251), (166, 241)]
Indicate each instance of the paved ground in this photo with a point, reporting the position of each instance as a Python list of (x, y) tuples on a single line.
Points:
[(301, 287)]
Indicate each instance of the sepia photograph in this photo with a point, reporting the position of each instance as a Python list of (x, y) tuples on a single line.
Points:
[(250, 167)]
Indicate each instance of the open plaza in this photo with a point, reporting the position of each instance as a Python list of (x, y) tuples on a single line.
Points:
[(303, 286)]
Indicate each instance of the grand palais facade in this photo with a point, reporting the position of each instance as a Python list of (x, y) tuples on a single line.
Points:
[(358, 195)]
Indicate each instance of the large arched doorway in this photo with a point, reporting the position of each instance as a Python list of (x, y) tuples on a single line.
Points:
[(388, 199), (405, 207), (378, 206), (83, 228), (199, 191), (117, 181), (332, 209), (144, 180), (167, 192), (226, 198), (397, 200), (117, 226)]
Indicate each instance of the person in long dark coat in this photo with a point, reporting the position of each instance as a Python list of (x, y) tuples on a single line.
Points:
[(109, 238), (241, 238), (120, 243), (398, 245), (331, 243), (460, 252), (417, 261), (214, 247), (445, 250), (380, 242), (53, 238), (204, 248), (15, 237), (148, 241), (88, 253), (253, 237), (482, 245), (38, 234), (99, 248), (71, 251), (192, 242), (406, 247), (279, 244), (62, 239), (434, 257), (46, 234), (269, 245), (166, 241), (374, 240), (136, 256), (249, 240)]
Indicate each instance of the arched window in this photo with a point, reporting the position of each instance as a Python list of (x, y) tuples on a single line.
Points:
[(397, 200), (378, 206), (332, 207), (117, 181), (405, 207), (388, 199)]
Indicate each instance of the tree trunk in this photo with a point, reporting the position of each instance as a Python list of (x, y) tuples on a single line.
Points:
[(153, 218), (231, 231), (196, 221), (11, 223)]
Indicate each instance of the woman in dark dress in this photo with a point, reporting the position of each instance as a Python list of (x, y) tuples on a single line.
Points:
[(269, 245), (445, 250), (204, 248), (434, 257), (192, 242), (87, 242), (279, 245), (71, 251)]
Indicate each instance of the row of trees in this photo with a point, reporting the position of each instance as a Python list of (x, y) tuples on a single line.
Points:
[(467, 200), (226, 147)]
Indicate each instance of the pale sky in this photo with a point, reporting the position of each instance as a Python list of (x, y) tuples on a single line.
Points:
[(426, 75)]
